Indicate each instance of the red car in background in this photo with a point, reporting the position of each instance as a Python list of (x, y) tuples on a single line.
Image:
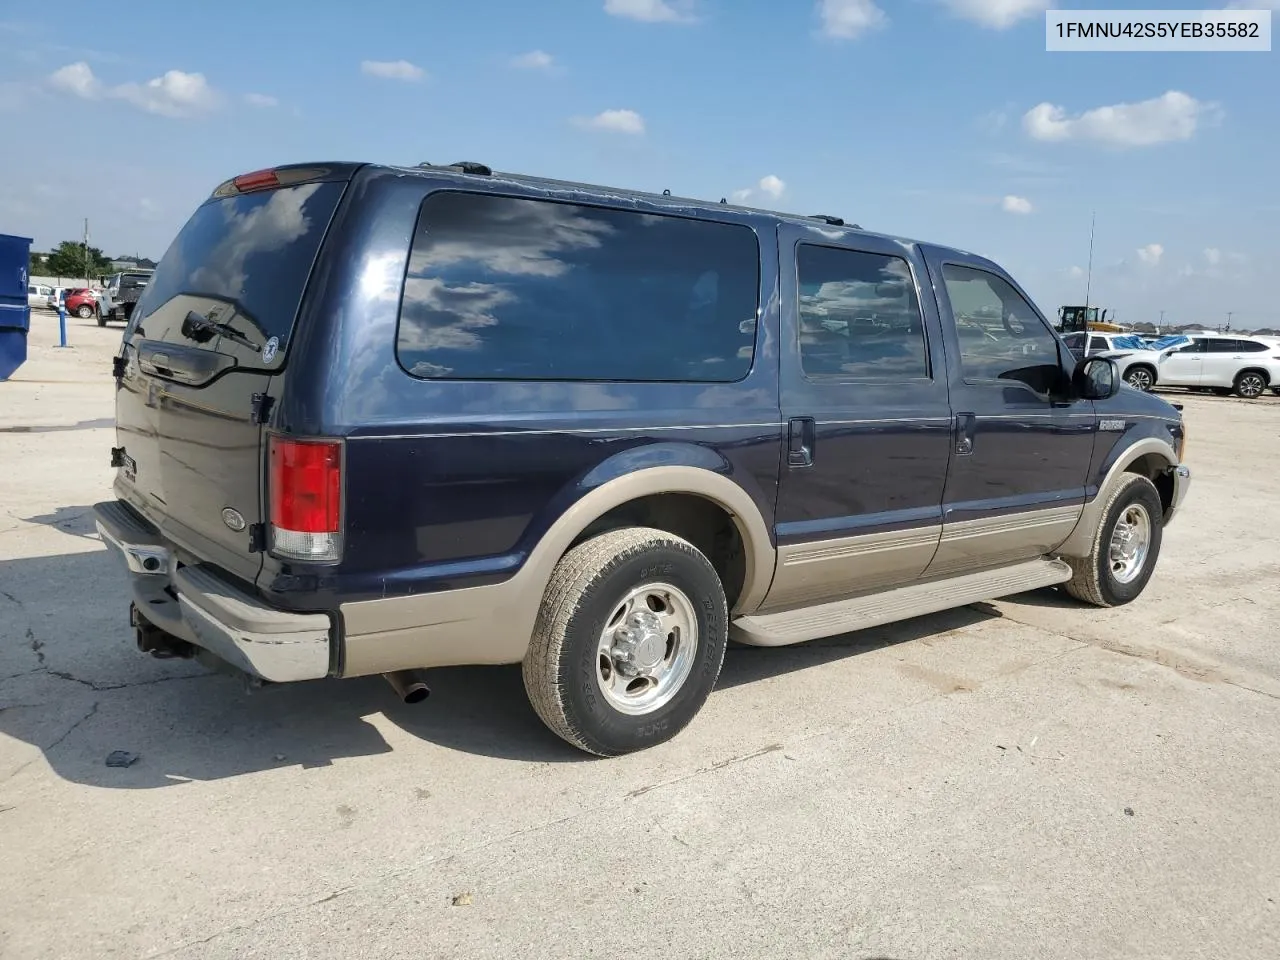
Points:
[(81, 301)]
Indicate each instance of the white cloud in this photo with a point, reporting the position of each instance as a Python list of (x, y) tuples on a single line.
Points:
[(771, 186), (1151, 254), (533, 60), (848, 19), (1075, 273), (1212, 254), (260, 100), (997, 14), (1012, 204), (392, 70), (175, 94), (650, 11), (614, 121), (1173, 116), (76, 79)]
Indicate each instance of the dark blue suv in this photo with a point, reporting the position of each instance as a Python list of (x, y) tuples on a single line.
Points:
[(377, 419)]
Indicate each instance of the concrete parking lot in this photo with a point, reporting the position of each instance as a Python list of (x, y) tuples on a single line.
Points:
[(1031, 778)]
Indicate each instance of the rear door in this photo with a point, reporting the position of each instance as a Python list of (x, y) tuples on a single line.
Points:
[(864, 393), (1184, 366), (211, 328), (1016, 482)]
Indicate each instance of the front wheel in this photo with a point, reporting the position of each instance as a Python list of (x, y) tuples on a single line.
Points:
[(1125, 548), (1140, 378), (629, 641), (84, 311), (1250, 384)]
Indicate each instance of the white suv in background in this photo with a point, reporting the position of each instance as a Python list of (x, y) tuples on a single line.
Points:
[(1243, 365)]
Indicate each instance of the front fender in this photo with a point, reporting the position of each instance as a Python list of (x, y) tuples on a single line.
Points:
[(1140, 441)]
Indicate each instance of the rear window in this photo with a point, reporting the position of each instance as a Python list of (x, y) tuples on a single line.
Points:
[(253, 252), (504, 288)]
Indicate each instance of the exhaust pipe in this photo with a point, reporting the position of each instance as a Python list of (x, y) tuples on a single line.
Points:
[(408, 685)]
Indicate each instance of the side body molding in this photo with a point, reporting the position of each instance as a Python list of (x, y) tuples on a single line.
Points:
[(1080, 541), (492, 624)]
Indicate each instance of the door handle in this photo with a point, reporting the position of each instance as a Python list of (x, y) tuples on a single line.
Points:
[(966, 428), (800, 437)]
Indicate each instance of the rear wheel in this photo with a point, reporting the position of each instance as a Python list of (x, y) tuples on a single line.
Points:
[(1250, 384), (1125, 548), (84, 311), (629, 641), (102, 321), (1140, 378)]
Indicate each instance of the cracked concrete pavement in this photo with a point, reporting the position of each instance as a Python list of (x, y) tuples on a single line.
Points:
[(1029, 778)]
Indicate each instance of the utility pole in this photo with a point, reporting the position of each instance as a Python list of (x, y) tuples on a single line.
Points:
[(1229, 315), (1160, 326), (87, 281)]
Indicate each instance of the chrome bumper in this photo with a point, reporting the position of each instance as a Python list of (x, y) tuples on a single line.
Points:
[(1181, 475), (194, 604)]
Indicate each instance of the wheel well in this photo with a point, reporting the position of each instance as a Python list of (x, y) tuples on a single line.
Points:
[(1155, 468), (1266, 377), (704, 523)]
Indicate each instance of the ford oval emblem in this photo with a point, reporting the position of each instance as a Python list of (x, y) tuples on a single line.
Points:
[(233, 519), (269, 349)]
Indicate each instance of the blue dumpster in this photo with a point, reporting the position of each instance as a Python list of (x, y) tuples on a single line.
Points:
[(15, 314)]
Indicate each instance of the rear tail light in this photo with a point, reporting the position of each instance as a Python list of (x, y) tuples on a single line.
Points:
[(305, 488)]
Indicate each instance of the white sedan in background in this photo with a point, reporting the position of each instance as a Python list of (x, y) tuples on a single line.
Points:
[(1243, 365)]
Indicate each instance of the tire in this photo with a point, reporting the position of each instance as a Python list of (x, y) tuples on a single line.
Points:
[(1094, 579), (102, 321), (577, 688), (1140, 378), (84, 311), (1250, 384)]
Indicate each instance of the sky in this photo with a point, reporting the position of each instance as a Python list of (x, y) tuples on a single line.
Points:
[(940, 120)]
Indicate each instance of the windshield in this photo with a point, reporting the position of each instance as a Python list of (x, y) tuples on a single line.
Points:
[(251, 252)]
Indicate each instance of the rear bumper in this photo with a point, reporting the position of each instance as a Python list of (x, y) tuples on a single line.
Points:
[(193, 603)]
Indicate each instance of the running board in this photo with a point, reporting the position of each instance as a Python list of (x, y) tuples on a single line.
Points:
[(890, 606)]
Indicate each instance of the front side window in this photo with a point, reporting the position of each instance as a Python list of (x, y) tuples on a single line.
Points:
[(859, 317), (506, 288), (1001, 337)]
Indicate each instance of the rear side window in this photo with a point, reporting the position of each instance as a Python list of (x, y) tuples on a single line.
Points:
[(504, 288), (1250, 346), (253, 252), (859, 317)]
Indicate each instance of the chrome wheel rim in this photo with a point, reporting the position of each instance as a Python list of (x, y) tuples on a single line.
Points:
[(647, 649), (1130, 543), (1140, 379), (1251, 385)]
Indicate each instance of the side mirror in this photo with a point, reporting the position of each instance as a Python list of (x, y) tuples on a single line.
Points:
[(1096, 378)]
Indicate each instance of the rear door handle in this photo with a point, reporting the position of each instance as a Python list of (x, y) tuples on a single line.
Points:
[(800, 437), (966, 424)]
